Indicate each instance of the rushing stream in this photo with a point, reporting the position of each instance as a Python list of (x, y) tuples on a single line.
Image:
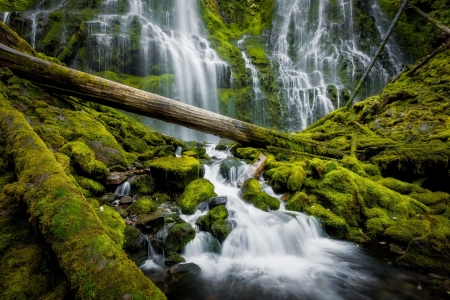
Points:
[(281, 255)]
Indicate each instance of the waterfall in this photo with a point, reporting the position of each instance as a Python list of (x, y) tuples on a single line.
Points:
[(320, 57), (123, 189), (258, 110), (5, 17), (158, 38)]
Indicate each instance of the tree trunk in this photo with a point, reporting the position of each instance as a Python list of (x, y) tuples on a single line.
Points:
[(430, 19), (92, 88)]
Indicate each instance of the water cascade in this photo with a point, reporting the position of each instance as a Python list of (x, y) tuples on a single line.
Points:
[(258, 110), (123, 189), (5, 17), (166, 42), (321, 55)]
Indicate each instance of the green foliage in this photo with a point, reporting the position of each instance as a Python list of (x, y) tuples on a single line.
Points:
[(195, 192)]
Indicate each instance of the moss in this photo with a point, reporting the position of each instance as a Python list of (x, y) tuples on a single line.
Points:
[(196, 192), (431, 251), (298, 202), (335, 226), (178, 237), (247, 153), (400, 186), (21, 273), (317, 168), (358, 236), (431, 198), (160, 198), (84, 158), (296, 179), (221, 229), (251, 192), (173, 174), (142, 184), (91, 186), (403, 231), (375, 227), (113, 222), (364, 170), (173, 258), (279, 178), (86, 253), (217, 213), (132, 240), (142, 206)]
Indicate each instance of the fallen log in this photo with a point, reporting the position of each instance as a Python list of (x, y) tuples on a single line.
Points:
[(429, 57), (429, 19), (95, 89)]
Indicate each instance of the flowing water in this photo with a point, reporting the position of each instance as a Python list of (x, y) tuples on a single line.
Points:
[(281, 255), (320, 57)]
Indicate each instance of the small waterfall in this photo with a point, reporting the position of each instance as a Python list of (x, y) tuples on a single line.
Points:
[(178, 151), (123, 189), (258, 110), (5, 17), (320, 58)]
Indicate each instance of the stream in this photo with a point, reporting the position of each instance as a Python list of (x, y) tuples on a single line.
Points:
[(283, 255)]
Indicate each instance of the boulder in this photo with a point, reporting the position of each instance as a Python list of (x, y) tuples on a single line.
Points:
[(196, 192), (213, 202), (251, 192)]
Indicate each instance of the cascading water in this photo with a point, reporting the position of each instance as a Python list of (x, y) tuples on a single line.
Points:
[(320, 57), (166, 39), (123, 189), (258, 109), (276, 255), (5, 17)]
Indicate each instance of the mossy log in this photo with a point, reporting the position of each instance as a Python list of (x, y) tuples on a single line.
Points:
[(429, 19), (88, 87), (95, 265)]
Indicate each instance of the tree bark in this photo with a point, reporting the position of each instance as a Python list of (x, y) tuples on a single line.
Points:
[(92, 88), (377, 54)]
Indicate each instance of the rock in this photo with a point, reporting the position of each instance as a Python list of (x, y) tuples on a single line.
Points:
[(217, 213), (134, 240), (285, 197), (436, 276), (116, 178), (394, 248), (126, 200), (165, 150), (228, 165), (196, 192), (142, 206), (251, 192), (142, 184), (173, 174), (173, 237), (221, 229), (150, 223), (173, 258), (213, 202)]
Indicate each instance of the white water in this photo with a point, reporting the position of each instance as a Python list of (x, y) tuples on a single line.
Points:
[(257, 105), (123, 189), (316, 48), (172, 41), (5, 17)]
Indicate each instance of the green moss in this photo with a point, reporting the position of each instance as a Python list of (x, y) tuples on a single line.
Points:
[(142, 185), (335, 226), (403, 231), (173, 258), (375, 227), (279, 178), (160, 198), (217, 213), (84, 158), (91, 260), (431, 198), (317, 168), (296, 179), (178, 237), (247, 153), (251, 192), (221, 229), (196, 192), (400, 186), (142, 206), (113, 222), (358, 236), (298, 202), (91, 186), (173, 174), (431, 251)]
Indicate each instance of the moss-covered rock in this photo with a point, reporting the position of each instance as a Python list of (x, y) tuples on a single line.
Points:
[(142, 184), (173, 258), (296, 179), (431, 251), (335, 226), (113, 222), (142, 206), (401, 187), (173, 237), (221, 229), (229, 164), (247, 153), (403, 231), (298, 202), (217, 213), (196, 192), (251, 192), (173, 174)]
